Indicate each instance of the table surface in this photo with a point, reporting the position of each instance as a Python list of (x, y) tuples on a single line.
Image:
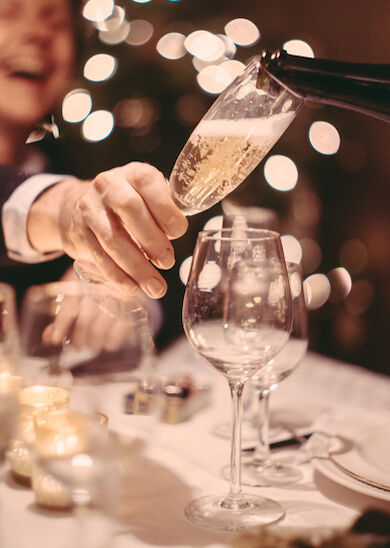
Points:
[(183, 461)]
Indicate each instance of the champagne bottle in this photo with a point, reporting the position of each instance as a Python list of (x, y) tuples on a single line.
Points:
[(361, 87)]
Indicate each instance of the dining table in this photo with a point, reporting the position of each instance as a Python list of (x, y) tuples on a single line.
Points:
[(183, 460)]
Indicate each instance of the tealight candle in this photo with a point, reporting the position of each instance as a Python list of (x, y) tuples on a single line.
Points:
[(33, 400), (59, 435)]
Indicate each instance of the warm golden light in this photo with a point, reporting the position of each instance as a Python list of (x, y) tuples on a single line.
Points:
[(171, 45), (281, 172), (140, 32), (298, 47), (324, 138), (98, 10), (317, 290), (292, 249), (97, 126), (311, 255), (113, 37), (100, 67), (213, 79), (113, 21), (341, 283), (242, 31), (354, 255), (204, 45), (184, 270)]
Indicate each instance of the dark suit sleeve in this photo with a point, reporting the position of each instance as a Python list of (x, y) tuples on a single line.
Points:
[(9, 180)]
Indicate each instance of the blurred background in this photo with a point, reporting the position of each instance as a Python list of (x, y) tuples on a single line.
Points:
[(150, 69)]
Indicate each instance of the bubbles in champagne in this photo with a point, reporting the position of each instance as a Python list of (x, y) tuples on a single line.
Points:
[(219, 155)]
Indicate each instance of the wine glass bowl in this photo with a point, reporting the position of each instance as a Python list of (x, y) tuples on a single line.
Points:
[(232, 138), (237, 315), (262, 468)]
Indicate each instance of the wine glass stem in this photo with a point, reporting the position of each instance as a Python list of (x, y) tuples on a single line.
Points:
[(262, 453), (234, 500)]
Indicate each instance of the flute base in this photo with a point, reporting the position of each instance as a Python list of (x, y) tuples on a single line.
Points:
[(212, 512)]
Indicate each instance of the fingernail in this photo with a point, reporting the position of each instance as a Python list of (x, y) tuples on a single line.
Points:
[(155, 287), (176, 226), (166, 259)]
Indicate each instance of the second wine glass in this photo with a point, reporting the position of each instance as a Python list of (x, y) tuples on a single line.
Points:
[(262, 468), (237, 315)]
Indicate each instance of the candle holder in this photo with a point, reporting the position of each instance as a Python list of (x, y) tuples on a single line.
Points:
[(33, 400), (63, 441)]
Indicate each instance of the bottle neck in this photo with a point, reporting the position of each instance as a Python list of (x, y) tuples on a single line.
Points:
[(356, 86)]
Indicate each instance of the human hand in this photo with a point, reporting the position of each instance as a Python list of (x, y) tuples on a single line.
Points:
[(82, 323), (121, 223)]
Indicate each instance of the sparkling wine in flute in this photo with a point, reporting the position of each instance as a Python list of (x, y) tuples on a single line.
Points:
[(219, 155), (231, 139)]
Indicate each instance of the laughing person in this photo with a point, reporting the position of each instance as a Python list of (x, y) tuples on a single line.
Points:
[(123, 220)]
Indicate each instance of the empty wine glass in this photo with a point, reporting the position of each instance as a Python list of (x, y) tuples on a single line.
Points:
[(262, 468), (237, 315)]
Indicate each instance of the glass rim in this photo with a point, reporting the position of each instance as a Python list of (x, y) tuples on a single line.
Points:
[(221, 234)]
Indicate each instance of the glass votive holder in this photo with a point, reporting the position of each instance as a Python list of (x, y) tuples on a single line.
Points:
[(61, 437), (9, 388), (33, 400)]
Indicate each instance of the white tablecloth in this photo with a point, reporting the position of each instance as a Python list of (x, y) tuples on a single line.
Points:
[(184, 461)]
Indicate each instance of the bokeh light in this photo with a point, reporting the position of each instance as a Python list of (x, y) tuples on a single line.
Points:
[(137, 113), (213, 79), (354, 255), (311, 255), (184, 269), (233, 67), (317, 290), (189, 109), (171, 45), (76, 105), (97, 126), (324, 137), (306, 207), (298, 47), (242, 32), (113, 37), (292, 249), (140, 32), (98, 10), (340, 282), (214, 223), (100, 67), (281, 172), (230, 47), (204, 45), (113, 21)]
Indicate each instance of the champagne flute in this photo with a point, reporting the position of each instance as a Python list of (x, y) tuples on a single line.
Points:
[(262, 468), (227, 144), (237, 315)]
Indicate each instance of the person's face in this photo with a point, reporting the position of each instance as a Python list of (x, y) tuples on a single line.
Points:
[(37, 53)]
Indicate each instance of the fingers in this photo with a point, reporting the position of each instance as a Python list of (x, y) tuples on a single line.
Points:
[(118, 257), (123, 224)]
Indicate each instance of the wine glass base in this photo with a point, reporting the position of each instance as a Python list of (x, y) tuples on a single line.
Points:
[(275, 474), (254, 511)]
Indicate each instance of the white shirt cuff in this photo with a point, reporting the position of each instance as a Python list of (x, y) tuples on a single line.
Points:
[(14, 219)]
